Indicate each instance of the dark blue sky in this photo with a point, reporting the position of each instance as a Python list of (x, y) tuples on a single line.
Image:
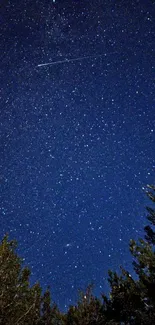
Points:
[(77, 139)]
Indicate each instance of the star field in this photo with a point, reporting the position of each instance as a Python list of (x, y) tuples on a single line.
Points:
[(77, 139)]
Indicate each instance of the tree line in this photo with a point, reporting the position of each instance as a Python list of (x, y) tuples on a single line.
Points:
[(131, 299)]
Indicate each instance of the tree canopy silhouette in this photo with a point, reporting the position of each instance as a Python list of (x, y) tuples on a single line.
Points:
[(131, 299)]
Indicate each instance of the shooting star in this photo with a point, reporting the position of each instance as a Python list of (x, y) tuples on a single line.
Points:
[(71, 60)]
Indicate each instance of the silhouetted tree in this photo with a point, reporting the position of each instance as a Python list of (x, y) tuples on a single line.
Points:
[(88, 311), (50, 312), (19, 304), (133, 301)]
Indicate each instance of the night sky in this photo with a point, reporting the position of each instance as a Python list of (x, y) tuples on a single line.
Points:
[(77, 138)]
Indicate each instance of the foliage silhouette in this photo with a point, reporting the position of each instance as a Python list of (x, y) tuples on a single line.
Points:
[(131, 301)]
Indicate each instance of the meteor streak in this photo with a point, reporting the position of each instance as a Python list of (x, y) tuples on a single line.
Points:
[(71, 60)]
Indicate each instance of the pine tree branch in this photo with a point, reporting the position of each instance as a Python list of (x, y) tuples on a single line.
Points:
[(24, 315)]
